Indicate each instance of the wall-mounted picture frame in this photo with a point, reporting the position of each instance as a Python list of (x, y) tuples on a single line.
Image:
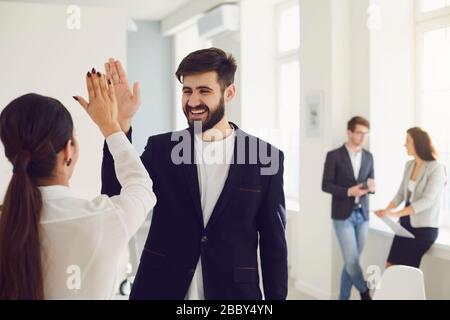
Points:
[(313, 114)]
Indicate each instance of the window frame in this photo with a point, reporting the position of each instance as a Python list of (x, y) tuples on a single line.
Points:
[(434, 14), (426, 22), (281, 58)]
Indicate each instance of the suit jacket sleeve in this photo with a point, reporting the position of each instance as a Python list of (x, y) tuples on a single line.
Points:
[(329, 176), (372, 171), (272, 241), (110, 184), (136, 196)]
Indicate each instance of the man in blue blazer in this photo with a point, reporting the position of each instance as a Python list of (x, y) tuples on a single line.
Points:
[(219, 194), (349, 177)]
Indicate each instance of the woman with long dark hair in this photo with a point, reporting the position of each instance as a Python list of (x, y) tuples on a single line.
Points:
[(53, 245), (421, 190)]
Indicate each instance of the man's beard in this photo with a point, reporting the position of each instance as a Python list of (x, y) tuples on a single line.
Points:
[(212, 118)]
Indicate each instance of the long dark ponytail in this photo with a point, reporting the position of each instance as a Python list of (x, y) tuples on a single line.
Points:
[(33, 129)]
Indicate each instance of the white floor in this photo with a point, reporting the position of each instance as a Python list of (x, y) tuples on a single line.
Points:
[(294, 294)]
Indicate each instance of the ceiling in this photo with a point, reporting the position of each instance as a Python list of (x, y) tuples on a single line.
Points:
[(136, 9)]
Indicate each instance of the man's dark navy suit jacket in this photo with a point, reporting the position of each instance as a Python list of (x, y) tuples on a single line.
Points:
[(250, 210)]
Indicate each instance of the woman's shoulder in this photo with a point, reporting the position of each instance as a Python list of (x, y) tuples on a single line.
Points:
[(99, 204), (436, 165), (73, 208)]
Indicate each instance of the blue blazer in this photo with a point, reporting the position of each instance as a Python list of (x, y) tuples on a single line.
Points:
[(338, 177), (250, 205)]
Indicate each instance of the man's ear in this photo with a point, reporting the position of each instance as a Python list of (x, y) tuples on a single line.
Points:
[(230, 92)]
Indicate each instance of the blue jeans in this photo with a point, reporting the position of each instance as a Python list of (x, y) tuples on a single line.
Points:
[(351, 234)]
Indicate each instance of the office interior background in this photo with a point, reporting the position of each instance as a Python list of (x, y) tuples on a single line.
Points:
[(304, 68)]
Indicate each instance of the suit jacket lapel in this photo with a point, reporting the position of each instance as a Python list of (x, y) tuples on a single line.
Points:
[(421, 175), (422, 172), (231, 183), (190, 171), (348, 162), (363, 165)]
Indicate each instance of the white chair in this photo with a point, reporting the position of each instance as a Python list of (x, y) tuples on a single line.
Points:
[(401, 283)]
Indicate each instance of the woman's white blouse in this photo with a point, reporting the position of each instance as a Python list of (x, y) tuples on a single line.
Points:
[(411, 186), (83, 241)]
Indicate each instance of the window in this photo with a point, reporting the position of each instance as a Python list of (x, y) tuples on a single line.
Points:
[(432, 5), (288, 95), (433, 83), (426, 10), (288, 27)]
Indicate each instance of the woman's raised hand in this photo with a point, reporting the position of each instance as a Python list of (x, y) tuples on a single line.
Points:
[(102, 105)]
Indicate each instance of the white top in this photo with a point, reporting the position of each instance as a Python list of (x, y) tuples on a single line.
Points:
[(411, 186), (426, 199), (83, 241), (410, 189), (356, 159), (213, 162)]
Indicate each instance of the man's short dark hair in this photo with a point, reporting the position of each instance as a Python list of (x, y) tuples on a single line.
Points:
[(205, 60), (351, 125)]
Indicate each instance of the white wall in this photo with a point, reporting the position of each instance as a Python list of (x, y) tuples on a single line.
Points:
[(257, 66), (360, 58), (149, 56), (39, 54), (349, 64)]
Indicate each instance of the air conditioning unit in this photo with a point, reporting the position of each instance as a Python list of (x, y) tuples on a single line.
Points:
[(219, 21)]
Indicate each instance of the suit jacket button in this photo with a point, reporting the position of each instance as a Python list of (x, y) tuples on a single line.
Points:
[(204, 238)]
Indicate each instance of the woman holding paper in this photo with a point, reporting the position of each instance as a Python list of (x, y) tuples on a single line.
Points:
[(421, 189)]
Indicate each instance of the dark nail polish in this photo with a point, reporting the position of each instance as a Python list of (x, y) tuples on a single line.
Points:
[(89, 74), (99, 74), (109, 81), (93, 71), (75, 98)]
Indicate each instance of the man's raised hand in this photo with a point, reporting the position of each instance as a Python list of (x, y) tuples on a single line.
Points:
[(128, 102)]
